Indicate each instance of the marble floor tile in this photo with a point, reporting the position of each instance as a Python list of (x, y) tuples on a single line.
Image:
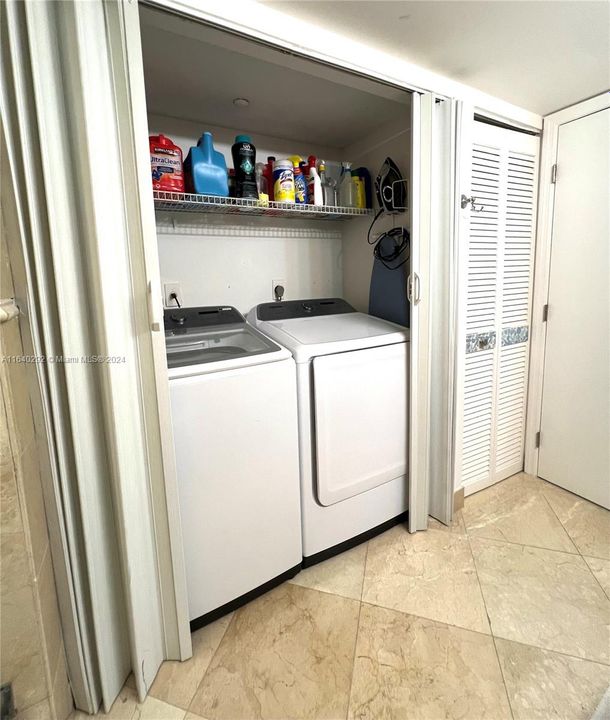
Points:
[(340, 575), (153, 709), (430, 574), (516, 510), (123, 707), (601, 569), (588, 525), (127, 707), (542, 684), (544, 598), (40, 711), (456, 526), (408, 667), (177, 682), (287, 655)]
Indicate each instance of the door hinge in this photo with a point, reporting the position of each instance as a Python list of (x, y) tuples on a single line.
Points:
[(554, 174), (538, 439), (545, 313)]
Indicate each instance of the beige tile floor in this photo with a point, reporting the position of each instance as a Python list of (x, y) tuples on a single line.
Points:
[(503, 615)]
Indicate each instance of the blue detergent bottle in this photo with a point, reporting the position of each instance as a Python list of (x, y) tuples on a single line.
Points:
[(205, 169)]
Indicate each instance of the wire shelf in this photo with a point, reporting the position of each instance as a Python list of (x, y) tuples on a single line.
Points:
[(189, 202)]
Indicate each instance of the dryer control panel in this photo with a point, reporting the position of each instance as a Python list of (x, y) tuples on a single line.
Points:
[(302, 308)]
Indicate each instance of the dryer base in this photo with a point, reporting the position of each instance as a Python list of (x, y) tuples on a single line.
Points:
[(232, 605), (352, 542)]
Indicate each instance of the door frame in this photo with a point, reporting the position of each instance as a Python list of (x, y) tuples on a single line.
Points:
[(542, 264)]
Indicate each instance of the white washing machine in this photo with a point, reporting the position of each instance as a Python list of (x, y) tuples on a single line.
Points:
[(234, 416), (352, 383)]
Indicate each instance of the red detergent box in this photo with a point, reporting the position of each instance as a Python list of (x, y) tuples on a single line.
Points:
[(166, 164)]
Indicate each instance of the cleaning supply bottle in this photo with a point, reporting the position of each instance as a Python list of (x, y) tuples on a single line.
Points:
[(314, 185), (205, 169), (359, 194), (261, 184), (365, 177), (283, 181), (328, 186), (300, 185), (268, 173), (244, 160), (166, 164), (347, 191)]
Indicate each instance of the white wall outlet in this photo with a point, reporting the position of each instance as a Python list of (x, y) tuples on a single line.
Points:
[(274, 284), (169, 289)]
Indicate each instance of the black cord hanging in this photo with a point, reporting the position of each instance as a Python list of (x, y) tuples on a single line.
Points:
[(399, 237)]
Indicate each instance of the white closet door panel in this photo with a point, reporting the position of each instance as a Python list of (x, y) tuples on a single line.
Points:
[(510, 413), (481, 294), (498, 229), (477, 416)]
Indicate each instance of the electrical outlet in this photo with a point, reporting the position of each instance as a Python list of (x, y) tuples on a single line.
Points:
[(170, 289), (274, 284)]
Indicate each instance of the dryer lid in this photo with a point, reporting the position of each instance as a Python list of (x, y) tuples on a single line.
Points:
[(339, 328)]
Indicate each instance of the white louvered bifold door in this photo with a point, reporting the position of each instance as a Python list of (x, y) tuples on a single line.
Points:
[(497, 231)]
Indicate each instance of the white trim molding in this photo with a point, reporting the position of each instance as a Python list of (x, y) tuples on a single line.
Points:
[(546, 202)]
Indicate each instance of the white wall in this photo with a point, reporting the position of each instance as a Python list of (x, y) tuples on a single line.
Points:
[(394, 140), (219, 260)]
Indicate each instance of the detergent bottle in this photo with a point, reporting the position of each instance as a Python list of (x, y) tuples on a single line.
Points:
[(206, 169), (244, 161), (166, 164)]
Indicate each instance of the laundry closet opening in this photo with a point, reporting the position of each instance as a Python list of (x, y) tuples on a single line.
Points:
[(290, 431), (202, 79)]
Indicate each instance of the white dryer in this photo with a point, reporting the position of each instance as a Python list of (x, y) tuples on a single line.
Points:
[(352, 385)]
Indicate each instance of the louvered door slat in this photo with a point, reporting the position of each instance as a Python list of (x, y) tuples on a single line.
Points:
[(498, 278)]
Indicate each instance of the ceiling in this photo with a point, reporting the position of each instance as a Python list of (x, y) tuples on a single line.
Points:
[(539, 55), (194, 73)]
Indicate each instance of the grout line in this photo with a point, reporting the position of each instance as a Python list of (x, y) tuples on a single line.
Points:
[(512, 542), (553, 652), (603, 589), (351, 680), (546, 500), (209, 665), (476, 570), (366, 558)]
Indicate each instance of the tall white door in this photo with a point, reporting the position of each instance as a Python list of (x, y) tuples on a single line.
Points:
[(575, 427), (496, 254)]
